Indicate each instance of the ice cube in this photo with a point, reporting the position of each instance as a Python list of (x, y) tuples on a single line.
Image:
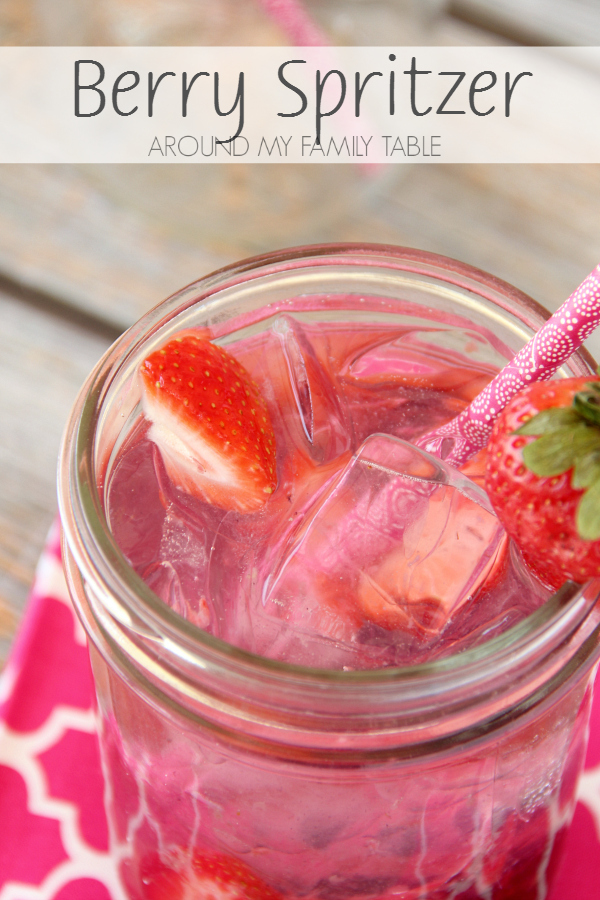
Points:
[(188, 552), (319, 409), (303, 400), (383, 562), (206, 557), (134, 508), (406, 382), (179, 573), (447, 360)]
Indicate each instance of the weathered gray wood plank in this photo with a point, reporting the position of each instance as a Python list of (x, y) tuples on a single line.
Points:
[(62, 235), (43, 362), (534, 226), (559, 22), (115, 240)]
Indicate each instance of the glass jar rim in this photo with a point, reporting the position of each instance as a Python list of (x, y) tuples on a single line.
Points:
[(125, 595)]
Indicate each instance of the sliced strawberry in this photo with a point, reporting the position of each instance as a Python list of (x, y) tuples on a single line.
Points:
[(210, 423), (513, 862), (415, 359), (210, 876), (543, 477)]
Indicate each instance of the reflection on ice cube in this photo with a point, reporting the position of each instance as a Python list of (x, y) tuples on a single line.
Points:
[(407, 381), (329, 389), (435, 359), (178, 574), (293, 375), (317, 405), (188, 552), (383, 563)]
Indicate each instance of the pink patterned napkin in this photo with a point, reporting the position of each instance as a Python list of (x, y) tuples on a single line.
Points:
[(53, 833)]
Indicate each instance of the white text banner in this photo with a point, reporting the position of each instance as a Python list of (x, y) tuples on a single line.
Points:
[(367, 105)]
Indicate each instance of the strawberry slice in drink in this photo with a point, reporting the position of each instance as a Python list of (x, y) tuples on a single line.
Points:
[(210, 423), (207, 876)]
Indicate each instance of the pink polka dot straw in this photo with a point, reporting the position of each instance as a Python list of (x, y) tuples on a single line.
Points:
[(295, 21), (563, 333)]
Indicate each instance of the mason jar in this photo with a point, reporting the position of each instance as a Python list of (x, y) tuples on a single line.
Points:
[(228, 771)]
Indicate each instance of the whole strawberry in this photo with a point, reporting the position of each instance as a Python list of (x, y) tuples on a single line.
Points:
[(543, 477), (210, 423)]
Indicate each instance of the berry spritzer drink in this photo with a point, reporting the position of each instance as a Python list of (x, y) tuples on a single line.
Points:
[(323, 669)]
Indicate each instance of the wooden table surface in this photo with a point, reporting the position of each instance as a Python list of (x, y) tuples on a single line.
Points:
[(84, 251)]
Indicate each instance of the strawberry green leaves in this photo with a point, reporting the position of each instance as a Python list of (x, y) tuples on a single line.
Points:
[(569, 438), (543, 477), (588, 513), (587, 403)]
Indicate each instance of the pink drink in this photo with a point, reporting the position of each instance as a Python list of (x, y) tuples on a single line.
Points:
[(345, 567), (231, 776)]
